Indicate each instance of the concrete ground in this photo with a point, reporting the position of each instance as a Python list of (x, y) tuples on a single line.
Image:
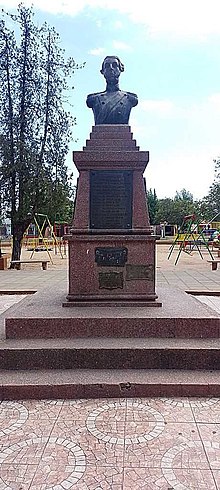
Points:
[(149, 444)]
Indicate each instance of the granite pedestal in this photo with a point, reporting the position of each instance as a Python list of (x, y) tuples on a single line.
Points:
[(111, 245)]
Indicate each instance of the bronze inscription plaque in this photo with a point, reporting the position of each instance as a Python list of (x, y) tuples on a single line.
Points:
[(135, 272), (110, 280), (110, 256), (111, 197)]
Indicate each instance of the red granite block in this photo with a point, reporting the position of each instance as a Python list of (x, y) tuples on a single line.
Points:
[(84, 282), (111, 158), (113, 129), (108, 144)]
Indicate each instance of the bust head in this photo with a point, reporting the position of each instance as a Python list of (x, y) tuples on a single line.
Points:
[(112, 106), (112, 68)]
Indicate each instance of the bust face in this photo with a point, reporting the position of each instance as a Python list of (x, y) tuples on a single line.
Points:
[(111, 69)]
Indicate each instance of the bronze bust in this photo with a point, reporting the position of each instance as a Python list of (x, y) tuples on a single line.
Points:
[(114, 105)]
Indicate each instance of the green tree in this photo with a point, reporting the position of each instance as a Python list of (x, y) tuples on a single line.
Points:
[(165, 211), (152, 205), (174, 210), (59, 201), (213, 197), (35, 128), (203, 210), (184, 196), (209, 206)]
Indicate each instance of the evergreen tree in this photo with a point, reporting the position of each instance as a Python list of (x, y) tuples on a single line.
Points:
[(152, 205), (214, 192), (35, 125)]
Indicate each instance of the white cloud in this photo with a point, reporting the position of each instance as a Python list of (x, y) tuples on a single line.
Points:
[(118, 24), (214, 100), (188, 19), (183, 140), (52, 6), (121, 46), (182, 168), (203, 113), (163, 107), (97, 51), (99, 24)]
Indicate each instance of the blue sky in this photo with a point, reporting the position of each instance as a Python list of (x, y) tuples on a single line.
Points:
[(171, 53)]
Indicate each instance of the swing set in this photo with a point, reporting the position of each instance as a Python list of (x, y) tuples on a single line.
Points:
[(42, 242), (189, 238)]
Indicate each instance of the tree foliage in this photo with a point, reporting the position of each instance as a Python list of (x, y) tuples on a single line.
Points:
[(152, 202), (173, 210), (183, 196), (35, 125), (213, 197), (209, 206)]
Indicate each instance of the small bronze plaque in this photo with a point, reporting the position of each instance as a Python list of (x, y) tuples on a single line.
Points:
[(111, 256), (135, 272), (110, 280)]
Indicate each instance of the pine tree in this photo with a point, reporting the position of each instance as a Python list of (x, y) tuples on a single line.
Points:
[(152, 202), (35, 125)]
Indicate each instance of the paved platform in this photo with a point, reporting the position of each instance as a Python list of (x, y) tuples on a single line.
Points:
[(111, 444), (115, 444), (191, 272)]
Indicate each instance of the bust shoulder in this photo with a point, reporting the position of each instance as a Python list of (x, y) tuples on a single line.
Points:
[(92, 97), (133, 98)]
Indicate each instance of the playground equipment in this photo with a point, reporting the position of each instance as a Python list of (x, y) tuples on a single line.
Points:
[(188, 236), (43, 237)]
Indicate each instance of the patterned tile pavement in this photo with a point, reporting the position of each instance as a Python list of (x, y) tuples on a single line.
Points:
[(118, 444)]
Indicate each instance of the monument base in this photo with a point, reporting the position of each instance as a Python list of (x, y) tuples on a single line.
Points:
[(75, 301), (112, 269), (56, 353)]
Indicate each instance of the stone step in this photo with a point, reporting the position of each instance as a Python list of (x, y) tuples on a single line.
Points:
[(109, 144), (41, 315), (107, 325), (108, 353), (114, 129), (111, 135), (100, 159), (87, 383)]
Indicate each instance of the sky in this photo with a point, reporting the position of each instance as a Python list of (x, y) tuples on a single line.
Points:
[(171, 53)]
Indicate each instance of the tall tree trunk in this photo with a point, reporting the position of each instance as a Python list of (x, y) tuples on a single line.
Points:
[(18, 229), (16, 248)]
